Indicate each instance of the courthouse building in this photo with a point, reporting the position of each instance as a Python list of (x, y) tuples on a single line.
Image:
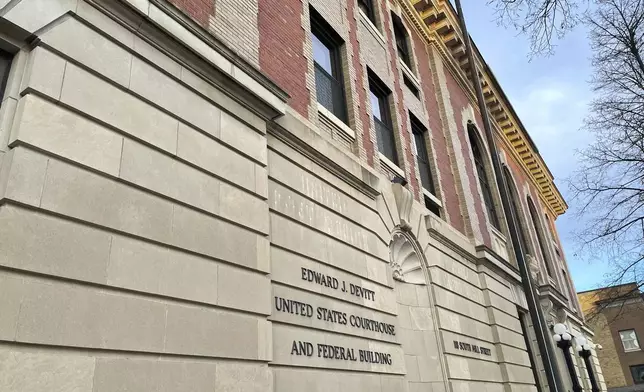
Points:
[(265, 195)]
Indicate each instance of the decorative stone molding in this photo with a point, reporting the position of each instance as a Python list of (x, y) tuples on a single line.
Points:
[(546, 307), (404, 201), (533, 267), (406, 263)]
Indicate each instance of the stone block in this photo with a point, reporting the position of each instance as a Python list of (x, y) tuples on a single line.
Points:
[(289, 379), (393, 383), (297, 238), (406, 294), (156, 57), (494, 285), (413, 342), (411, 365), (504, 319), (243, 377), (456, 285), (207, 332), (163, 174), (104, 23), (222, 99), (65, 315), (244, 208), (242, 289), (501, 303), (11, 293), (210, 155), (64, 133), (125, 112), (25, 172), (24, 16), (422, 292), (90, 197), (455, 322), (44, 73), (135, 374), (421, 318), (45, 371), (44, 244), (242, 138), (90, 48), (155, 269), (207, 235), (456, 303), (449, 338), (164, 91)]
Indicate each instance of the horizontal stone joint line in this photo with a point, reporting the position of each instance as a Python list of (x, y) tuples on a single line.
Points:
[(322, 205), (313, 228), (284, 156), (123, 233), (356, 371), (104, 287)]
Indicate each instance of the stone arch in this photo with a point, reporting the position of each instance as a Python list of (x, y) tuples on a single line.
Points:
[(406, 262)]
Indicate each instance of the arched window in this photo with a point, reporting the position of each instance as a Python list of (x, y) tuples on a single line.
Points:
[(479, 162), (540, 235), (514, 204)]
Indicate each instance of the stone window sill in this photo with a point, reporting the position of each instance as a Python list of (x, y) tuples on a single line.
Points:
[(408, 72), (433, 198), (372, 28), (391, 165), (336, 121)]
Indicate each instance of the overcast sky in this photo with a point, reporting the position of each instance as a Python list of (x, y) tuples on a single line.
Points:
[(550, 95)]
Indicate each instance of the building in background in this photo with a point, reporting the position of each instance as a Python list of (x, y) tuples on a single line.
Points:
[(618, 326), (264, 195)]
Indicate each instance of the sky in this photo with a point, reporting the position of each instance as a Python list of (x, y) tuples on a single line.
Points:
[(551, 96)]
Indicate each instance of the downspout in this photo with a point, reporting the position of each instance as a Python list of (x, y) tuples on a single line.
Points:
[(541, 329)]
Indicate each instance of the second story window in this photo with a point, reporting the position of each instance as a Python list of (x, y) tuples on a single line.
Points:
[(540, 235), (629, 340), (514, 204), (484, 183), (379, 97), (367, 8), (328, 67), (400, 34)]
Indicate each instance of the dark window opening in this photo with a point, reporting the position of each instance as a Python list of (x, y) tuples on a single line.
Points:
[(483, 179), (5, 67), (411, 86), (422, 157), (329, 83), (514, 204), (533, 363), (400, 33), (432, 206), (539, 230), (379, 97), (367, 8), (638, 374)]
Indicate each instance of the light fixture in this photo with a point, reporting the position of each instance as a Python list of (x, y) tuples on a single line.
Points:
[(560, 329)]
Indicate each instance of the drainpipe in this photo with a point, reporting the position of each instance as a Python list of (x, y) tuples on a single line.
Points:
[(546, 348)]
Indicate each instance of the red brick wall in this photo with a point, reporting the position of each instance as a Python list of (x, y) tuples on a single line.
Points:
[(448, 182), (281, 48), (459, 102), (199, 10)]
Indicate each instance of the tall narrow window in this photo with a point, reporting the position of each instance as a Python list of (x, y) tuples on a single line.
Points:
[(400, 33), (367, 8), (328, 68), (422, 158), (379, 97), (483, 179), (523, 317), (540, 237), (514, 204)]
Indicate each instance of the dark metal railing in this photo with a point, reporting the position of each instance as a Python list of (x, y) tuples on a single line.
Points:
[(330, 93)]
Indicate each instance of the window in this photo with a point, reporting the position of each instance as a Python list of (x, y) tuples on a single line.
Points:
[(328, 69), (523, 317), (422, 157), (629, 340), (411, 86), (367, 8), (379, 97), (514, 204), (638, 374), (5, 67), (400, 33), (483, 180), (537, 228)]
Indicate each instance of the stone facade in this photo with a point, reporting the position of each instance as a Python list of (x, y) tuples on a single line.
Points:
[(177, 212)]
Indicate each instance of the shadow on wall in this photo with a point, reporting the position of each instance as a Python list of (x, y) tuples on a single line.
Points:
[(632, 388)]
